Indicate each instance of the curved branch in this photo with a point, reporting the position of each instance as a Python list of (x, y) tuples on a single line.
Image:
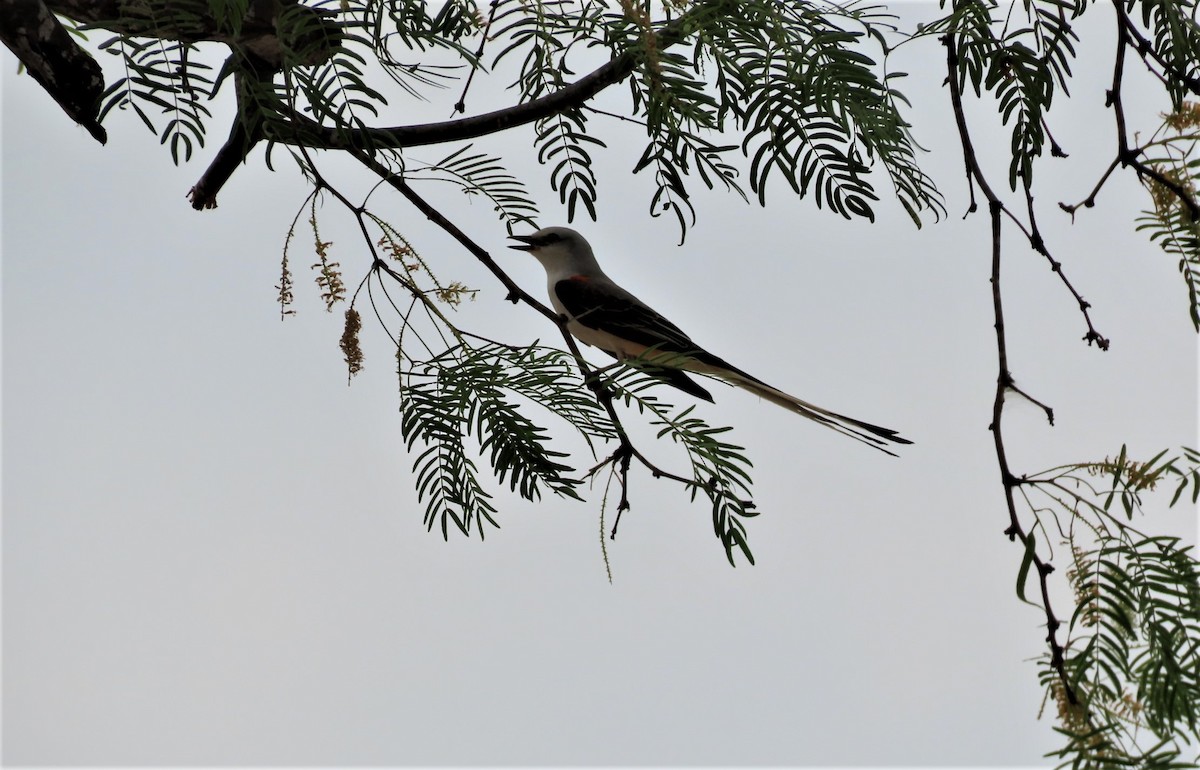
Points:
[(291, 128), (297, 128), (317, 136)]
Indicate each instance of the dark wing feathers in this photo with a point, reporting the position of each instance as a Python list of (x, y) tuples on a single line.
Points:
[(632, 320), (626, 316)]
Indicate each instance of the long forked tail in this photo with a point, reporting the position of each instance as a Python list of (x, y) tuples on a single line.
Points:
[(871, 435)]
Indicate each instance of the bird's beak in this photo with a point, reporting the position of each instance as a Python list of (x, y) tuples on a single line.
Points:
[(526, 242)]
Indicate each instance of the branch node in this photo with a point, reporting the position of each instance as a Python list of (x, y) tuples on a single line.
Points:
[(1096, 337)]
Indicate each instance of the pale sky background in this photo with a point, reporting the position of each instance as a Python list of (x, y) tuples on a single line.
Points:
[(213, 553)]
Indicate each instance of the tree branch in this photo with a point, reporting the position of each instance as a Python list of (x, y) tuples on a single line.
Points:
[(1015, 531), (55, 60), (293, 128), (1126, 155), (1144, 49), (321, 137), (192, 21), (317, 136), (250, 72)]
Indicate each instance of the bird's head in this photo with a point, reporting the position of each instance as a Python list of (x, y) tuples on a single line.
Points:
[(557, 248)]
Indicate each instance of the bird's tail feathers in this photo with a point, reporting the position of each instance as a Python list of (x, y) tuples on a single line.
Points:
[(871, 435)]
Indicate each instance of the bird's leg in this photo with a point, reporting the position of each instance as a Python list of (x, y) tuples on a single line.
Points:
[(622, 455), (619, 460)]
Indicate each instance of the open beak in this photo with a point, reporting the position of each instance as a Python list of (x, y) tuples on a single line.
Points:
[(526, 244)]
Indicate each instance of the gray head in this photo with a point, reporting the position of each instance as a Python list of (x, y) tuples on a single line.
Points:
[(559, 249)]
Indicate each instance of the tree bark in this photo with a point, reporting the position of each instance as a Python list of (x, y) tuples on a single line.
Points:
[(59, 65)]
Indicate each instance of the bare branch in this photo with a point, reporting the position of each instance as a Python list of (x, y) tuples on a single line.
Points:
[(1015, 530)]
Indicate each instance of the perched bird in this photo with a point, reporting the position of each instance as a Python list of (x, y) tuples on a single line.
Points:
[(602, 314)]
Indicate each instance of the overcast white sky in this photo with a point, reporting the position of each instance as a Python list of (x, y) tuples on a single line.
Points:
[(213, 553)]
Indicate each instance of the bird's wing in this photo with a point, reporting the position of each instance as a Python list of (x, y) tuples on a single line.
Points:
[(605, 307)]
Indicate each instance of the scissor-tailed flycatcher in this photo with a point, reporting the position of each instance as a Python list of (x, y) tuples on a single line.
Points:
[(602, 314)]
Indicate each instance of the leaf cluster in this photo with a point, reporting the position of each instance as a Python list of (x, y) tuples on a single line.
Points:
[(335, 91), (1133, 657), (471, 402), (161, 80), (481, 175), (476, 393), (1022, 65), (801, 84), (543, 35), (562, 144), (1175, 41), (719, 470), (1171, 221)]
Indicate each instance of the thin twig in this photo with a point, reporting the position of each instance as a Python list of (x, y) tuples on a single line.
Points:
[(1090, 200), (461, 105), (1049, 411)]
